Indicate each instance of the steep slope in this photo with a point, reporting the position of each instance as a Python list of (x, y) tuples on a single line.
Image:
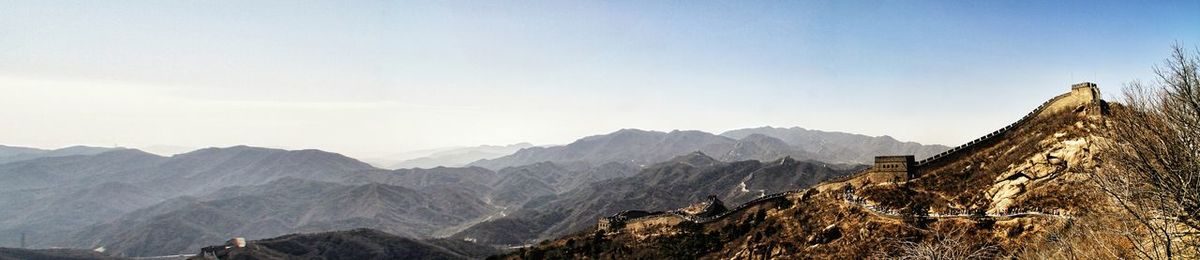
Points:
[(681, 181), (1004, 196), (284, 206), (350, 244), (838, 146)]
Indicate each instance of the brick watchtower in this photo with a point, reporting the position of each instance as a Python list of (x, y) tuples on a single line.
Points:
[(1086, 91), (895, 168)]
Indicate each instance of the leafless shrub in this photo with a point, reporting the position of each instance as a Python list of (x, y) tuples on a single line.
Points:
[(952, 244), (1085, 237), (1152, 170)]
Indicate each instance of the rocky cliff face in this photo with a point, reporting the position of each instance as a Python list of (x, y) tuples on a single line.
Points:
[(1042, 169)]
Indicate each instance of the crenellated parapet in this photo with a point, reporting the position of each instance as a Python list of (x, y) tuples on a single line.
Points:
[(1085, 93)]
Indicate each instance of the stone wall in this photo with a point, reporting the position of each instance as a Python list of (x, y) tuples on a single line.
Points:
[(1085, 93), (653, 224), (898, 167)]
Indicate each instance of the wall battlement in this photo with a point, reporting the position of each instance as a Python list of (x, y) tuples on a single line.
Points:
[(1084, 93)]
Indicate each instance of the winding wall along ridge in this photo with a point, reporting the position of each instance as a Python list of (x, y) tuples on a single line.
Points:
[(1036, 111), (967, 145), (993, 134)]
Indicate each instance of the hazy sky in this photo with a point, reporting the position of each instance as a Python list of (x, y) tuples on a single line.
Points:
[(375, 78)]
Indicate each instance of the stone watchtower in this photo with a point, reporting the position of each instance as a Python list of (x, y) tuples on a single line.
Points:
[(1086, 91), (1082, 94), (894, 168)]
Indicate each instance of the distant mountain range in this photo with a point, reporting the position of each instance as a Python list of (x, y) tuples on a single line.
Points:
[(838, 146), (15, 153), (140, 204), (641, 148), (135, 203), (457, 157), (50, 197), (283, 206)]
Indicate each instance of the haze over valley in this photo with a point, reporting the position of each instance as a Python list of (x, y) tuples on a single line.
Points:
[(461, 129), (124, 199)]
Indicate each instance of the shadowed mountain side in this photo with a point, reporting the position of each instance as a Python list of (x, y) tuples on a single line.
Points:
[(671, 184), (349, 244)]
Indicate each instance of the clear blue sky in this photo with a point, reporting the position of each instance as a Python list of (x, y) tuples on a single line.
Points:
[(372, 78)]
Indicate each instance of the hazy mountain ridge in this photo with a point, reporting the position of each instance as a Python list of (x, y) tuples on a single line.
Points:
[(49, 197), (839, 146), (409, 202), (628, 146), (641, 148), (284, 206), (458, 157), (672, 184), (132, 194), (15, 153)]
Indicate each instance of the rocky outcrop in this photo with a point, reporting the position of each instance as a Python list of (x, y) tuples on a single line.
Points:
[(1056, 162)]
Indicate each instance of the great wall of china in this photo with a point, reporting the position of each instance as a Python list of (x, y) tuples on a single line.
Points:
[(1081, 93)]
